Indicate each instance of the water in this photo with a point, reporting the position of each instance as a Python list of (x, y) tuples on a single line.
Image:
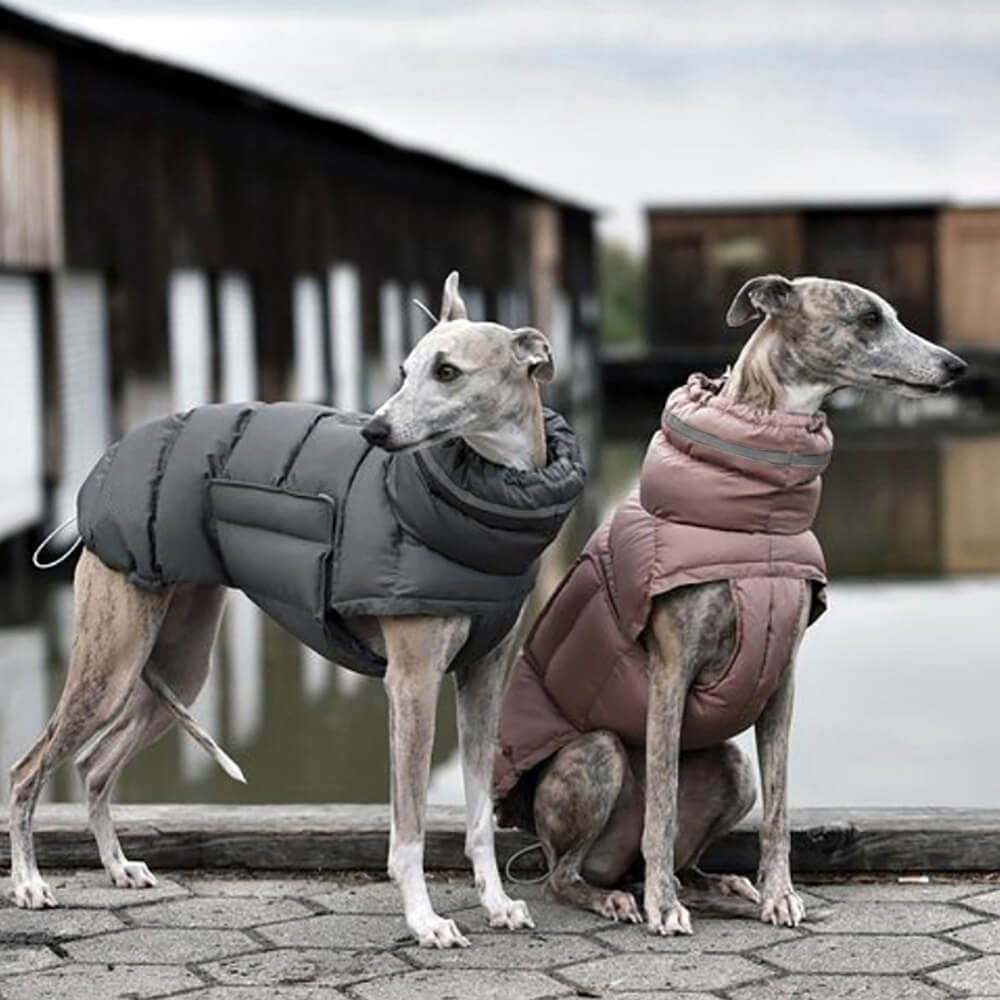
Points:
[(897, 684)]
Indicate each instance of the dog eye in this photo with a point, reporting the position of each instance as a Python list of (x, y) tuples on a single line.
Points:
[(446, 373), (871, 319), (402, 374)]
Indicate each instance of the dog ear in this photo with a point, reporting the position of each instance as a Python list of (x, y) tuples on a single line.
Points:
[(531, 348), (768, 295), (452, 306)]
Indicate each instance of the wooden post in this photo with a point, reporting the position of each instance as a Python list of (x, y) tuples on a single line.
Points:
[(344, 291), (190, 324), (309, 372)]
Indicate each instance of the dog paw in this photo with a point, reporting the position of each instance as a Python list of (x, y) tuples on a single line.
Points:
[(671, 920), (440, 933), (783, 908), (511, 913), (620, 907), (132, 875), (34, 894)]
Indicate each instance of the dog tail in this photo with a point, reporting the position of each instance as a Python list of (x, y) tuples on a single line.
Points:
[(184, 717)]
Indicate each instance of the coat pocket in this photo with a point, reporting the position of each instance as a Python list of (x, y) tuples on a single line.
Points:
[(274, 543)]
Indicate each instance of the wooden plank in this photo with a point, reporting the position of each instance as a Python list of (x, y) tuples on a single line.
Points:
[(968, 263), (970, 499), (30, 177), (355, 837)]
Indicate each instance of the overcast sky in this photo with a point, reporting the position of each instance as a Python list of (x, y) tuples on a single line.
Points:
[(623, 102)]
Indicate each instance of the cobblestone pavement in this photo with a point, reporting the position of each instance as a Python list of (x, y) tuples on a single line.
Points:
[(233, 937)]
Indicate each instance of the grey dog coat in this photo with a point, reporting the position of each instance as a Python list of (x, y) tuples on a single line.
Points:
[(727, 492), (288, 503)]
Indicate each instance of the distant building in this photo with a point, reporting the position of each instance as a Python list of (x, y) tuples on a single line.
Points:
[(168, 239), (937, 264)]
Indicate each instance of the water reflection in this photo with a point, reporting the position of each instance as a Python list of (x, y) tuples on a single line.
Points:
[(896, 686)]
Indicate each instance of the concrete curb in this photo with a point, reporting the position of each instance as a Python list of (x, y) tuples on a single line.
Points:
[(355, 837)]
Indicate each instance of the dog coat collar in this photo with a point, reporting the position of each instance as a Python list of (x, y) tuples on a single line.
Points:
[(455, 500), (727, 465)]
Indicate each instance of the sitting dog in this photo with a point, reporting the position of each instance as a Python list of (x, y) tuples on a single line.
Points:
[(677, 627), (402, 545)]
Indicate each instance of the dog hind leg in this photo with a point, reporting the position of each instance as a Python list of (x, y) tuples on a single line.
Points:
[(480, 690), (583, 793), (715, 790), (116, 626), (181, 658)]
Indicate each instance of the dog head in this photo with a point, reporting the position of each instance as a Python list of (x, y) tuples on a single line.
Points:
[(828, 334), (463, 379)]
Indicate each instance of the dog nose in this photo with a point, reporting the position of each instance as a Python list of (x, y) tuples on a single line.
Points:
[(955, 367), (376, 432)]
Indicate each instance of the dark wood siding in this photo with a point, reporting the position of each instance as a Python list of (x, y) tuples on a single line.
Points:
[(890, 252), (697, 263)]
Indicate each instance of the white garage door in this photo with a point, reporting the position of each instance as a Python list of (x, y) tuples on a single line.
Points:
[(20, 389)]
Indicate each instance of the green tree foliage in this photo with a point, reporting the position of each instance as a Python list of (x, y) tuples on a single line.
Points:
[(622, 278)]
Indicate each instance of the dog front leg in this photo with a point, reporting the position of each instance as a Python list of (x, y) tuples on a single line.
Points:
[(668, 686), (418, 651), (480, 691), (781, 904)]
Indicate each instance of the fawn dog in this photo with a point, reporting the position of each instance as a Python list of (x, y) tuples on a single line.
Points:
[(141, 655)]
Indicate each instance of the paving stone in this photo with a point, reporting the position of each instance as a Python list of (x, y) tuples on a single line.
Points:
[(684, 970), (987, 903), (878, 953), (59, 924), (891, 918), (313, 966), (711, 934), (978, 975), (161, 944), (838, 988), (458, 984), (227, 912), (24, 959), (256, 887), (384, 897), (897, 892), (664, 994), (500, 949), (267, 993), (100, 982), (548, 916), (94, 888), (985, 937), (334, 930)]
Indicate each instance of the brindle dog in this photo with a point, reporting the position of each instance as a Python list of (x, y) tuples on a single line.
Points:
[(817, 335)]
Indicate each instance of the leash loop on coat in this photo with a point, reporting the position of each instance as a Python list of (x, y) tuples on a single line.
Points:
[(426, 311), (48, 538), (517, 854)]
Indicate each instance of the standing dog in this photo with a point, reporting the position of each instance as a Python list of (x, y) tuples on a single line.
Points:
[(678, 626), (148, 609)]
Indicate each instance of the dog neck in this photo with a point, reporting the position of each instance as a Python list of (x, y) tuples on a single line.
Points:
[(518, 442), (757, 378)]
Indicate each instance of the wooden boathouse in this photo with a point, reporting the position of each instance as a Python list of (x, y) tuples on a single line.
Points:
[(937, 263), (168, 239)]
